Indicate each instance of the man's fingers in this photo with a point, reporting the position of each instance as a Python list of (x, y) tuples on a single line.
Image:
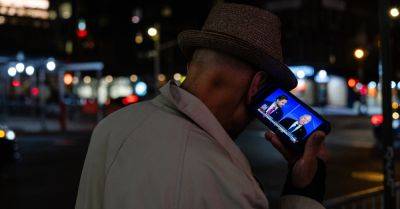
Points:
[(313, 145), (323, 153), (276, 142)]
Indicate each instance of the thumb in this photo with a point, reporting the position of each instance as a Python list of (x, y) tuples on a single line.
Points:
[(313, 145)]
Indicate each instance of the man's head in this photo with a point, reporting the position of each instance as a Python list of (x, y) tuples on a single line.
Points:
[(304, 119), (225, 85), (281, 100)]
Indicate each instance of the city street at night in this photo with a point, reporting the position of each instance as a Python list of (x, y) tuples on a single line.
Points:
[(173, 86)]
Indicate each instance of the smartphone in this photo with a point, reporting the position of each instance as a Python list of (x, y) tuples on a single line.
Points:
[(287, 116)]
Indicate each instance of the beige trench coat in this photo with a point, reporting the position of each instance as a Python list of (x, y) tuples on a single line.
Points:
[(171, 153)]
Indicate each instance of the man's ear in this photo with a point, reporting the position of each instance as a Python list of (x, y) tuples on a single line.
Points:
[(255, 85)]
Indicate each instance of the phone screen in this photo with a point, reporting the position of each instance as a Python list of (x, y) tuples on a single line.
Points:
[(288, 117)]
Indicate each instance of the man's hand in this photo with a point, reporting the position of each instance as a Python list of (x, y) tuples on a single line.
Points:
[(305, 165)]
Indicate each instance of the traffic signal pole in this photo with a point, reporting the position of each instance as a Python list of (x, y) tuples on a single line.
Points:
[(387, 69)]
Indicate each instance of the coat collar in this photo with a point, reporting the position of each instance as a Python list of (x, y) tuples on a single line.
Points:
[(198, 112)]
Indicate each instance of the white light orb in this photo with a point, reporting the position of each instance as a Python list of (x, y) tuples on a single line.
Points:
[(20, 67), (51, 65), (12, 71), (177, 76), (10, 135), (300, 74), (141, 88), (372, 85), (30, 70), (152, 31), (394, 12)]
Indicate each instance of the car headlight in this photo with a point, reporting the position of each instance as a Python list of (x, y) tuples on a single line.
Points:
[(10, 135), (2, 133)]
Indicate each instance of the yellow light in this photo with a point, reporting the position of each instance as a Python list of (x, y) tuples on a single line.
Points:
[(109, 79), (182, 79), (359, 53), (2, 133), (87, 79), (161, 77), (133, 78), (2, 20), (394, 12), (152, 31), (138, 38), (68, 79), (395, 115), (368, 176), (395, 105), (177, 76)]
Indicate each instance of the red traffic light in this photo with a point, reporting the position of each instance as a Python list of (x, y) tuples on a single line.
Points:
[(16, 83), (81, 33), (35, 91)]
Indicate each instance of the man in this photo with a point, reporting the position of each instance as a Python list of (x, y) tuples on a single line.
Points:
[(296, 127), (177, 150), (274, 109)]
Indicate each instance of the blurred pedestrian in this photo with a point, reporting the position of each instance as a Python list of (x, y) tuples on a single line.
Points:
[(178, 150)]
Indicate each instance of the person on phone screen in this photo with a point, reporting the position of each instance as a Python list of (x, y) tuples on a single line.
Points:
[(296, 127), (274, 109)]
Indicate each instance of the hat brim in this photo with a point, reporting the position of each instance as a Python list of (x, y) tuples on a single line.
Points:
[(189, 40)]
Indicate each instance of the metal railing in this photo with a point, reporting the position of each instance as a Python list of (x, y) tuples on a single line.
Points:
[(366, 199)]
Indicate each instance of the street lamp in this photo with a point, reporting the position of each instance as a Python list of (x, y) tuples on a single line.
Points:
[(138, 38), (51, 65), (12, 71), (141, 88), (133, 78), (394, 12), (359, 53), (30, 70), (177, 76), (20, 67), (152, 31)]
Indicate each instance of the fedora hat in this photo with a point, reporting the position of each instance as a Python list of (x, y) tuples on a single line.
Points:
[(248, 33)]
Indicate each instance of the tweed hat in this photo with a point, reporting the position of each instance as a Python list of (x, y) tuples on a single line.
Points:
[(248, 33)]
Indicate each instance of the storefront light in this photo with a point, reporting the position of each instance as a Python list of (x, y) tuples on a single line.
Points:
[(322, 77), (300, 74), (372, 85), (307, 70), (141, 88), (30, 70), (10, 135), (12, 71), (359, 86), (395, 115)]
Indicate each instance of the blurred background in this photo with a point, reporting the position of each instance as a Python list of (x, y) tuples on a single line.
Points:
[(66, 64)]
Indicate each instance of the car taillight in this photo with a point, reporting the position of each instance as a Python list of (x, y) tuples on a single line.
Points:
[(376, 120), (130, 99)]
